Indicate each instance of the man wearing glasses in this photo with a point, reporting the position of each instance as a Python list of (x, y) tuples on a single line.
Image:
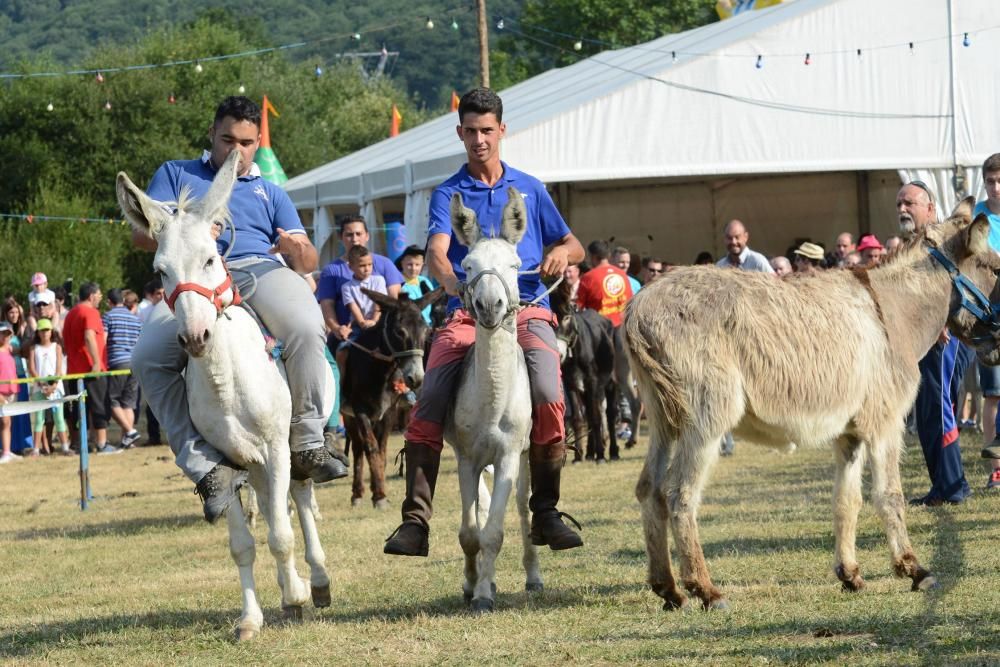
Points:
[(652, 268)]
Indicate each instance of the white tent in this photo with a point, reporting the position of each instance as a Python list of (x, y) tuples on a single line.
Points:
[(661, 143)]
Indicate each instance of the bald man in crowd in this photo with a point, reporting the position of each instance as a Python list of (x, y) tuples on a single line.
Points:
[(843, 247), (738, 253), (941, 373)]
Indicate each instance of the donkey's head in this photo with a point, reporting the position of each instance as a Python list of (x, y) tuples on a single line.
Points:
[(974, 312), (187, 259), (404, 332), (491, 292)]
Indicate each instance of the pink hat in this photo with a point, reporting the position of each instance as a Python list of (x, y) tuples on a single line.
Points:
[(39, 279), (869, 241)]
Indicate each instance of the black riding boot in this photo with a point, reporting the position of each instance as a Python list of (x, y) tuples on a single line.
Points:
[(546, 520), (410, 538)]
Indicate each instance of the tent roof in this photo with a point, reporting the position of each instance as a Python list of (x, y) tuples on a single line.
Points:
[(637, 112)]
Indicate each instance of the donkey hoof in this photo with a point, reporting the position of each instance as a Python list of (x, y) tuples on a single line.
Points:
[(852, 585), (677, 604), (534, 587), (928, 583), (630, 444), (245, 634), (321, 596), (481, 605), (382, 504), (357, 502), (719, 604), (292, 613)]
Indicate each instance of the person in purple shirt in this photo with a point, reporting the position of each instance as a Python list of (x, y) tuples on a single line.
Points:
[(267, 225), (353, 232)]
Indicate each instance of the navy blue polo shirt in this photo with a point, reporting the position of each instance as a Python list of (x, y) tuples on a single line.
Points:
[(545, 224), (258, 207)]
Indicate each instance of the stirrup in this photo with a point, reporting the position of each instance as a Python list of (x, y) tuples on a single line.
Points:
[(563, 515)]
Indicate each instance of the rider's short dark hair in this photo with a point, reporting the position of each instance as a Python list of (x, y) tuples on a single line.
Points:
[(240, 108), (480, 101)]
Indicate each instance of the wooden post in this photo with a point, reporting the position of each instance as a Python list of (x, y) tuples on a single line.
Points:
[(484, 45)]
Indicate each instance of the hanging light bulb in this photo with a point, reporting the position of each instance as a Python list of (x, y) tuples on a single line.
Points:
[(242, 89), (198, 68), (965, 40), (356, 37), (578, 45), (318, 71), (430, 23), (808, 59), (859, 53), (107, 105), (911, 48), (99, 78), (49, 107), (171, 99), (454, 24), (500, 24), (760, 62), (673, 56)]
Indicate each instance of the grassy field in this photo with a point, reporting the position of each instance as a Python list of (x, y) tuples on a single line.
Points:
[(140, 578)]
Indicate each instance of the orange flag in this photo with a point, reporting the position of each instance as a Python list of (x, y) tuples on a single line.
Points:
[(397, 120), (454, 101)]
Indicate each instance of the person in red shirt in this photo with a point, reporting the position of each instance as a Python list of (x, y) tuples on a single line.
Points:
[(84, 339), (605, 288)]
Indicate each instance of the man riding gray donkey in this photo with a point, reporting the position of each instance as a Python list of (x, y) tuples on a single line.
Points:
[(265, 224), (483, 184)]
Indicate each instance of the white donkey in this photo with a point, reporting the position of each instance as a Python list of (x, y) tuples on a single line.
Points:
[(491, 418), (238, 396)]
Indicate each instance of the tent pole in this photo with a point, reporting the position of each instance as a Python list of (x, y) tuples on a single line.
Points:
[(957, 181)]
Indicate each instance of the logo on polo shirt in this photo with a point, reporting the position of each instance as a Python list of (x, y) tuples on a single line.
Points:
[(261, 192), (613, 285)]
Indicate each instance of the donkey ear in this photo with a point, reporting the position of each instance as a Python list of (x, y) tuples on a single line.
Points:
[(144, 213), (979, 235), (515, 217), (381, 299), (963, 210), (463, 222), (215, 204), (430, 298)]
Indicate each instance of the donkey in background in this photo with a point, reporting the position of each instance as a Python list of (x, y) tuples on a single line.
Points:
[(717, 351)]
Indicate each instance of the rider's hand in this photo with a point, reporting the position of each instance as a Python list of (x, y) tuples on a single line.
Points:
[(345, 332), (555, 262), (944, 336), (288, 244)]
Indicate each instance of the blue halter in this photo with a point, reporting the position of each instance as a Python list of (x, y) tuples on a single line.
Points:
[(973, 300)]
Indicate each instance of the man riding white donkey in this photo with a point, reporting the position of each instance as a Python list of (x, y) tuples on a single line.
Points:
[(483, 183), (266, 224)]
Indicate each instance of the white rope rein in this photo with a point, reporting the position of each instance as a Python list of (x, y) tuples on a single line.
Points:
[(547, 292)]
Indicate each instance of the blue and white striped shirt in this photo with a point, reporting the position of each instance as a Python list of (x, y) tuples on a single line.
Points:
[(123, 329)]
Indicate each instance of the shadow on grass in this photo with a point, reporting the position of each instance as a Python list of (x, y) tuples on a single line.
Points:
[(123, 528), (41, 639)]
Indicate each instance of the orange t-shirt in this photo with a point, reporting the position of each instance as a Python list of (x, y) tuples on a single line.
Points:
[(605, 289), (81, 317)]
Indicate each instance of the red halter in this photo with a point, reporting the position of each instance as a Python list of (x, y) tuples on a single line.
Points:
[(215, 296)]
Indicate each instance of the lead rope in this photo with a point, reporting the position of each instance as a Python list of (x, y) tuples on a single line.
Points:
[(537, 299)]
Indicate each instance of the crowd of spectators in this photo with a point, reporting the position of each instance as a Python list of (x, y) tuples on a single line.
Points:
[(53, 339)]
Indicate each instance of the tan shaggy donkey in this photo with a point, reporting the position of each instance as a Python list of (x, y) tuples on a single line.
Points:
[(825, 358)]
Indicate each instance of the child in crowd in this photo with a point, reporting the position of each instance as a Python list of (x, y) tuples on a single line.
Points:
[(8, 391), (410, 264), (364, 311), (45, 360)]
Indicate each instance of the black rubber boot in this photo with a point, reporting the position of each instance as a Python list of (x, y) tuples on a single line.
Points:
[(411, 537), (547, 526)]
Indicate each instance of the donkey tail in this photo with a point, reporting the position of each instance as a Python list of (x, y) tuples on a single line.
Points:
[(657, 381)]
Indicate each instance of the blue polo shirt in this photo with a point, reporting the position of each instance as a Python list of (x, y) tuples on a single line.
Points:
[(258, 207), (338, 272), (545, 224), (994, 219)]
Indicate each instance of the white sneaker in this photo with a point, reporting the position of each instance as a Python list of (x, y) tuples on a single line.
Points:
[(10, 456)]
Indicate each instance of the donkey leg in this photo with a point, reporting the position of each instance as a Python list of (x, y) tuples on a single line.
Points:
[(356, 450), (651, 493), (595, 432), (319, 579), (849, 455), (529, 558), (887, 496), (687, 473), (280, 539), (491, 535), (243, 550), (468, 532), (377, 464), (611, 419)]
